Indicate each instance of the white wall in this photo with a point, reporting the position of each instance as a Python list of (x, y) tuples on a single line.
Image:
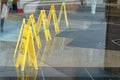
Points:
[(98, 1)]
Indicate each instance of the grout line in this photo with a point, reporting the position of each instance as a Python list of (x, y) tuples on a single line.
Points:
[(89, 73), (42, 74)]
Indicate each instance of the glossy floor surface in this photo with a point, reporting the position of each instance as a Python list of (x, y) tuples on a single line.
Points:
[(76, 53)]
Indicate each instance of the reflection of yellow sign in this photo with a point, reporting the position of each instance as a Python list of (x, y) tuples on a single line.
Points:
[(46, 49), (26, 47), (29, 74)]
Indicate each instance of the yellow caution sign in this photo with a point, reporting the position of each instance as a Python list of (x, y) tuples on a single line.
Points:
[(19, 37), (26, 47), (63, 7), (46, 28), (31, 21), (42, 20), (30, 31), (56, 20), (52, 14)]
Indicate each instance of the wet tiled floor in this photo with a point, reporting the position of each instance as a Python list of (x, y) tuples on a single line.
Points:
[(76, 53)]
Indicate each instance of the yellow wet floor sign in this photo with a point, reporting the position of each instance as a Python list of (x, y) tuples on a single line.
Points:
[(53, 14), (30, 31), (26, 48), (33, 24), (43, 18), (63, 8)]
